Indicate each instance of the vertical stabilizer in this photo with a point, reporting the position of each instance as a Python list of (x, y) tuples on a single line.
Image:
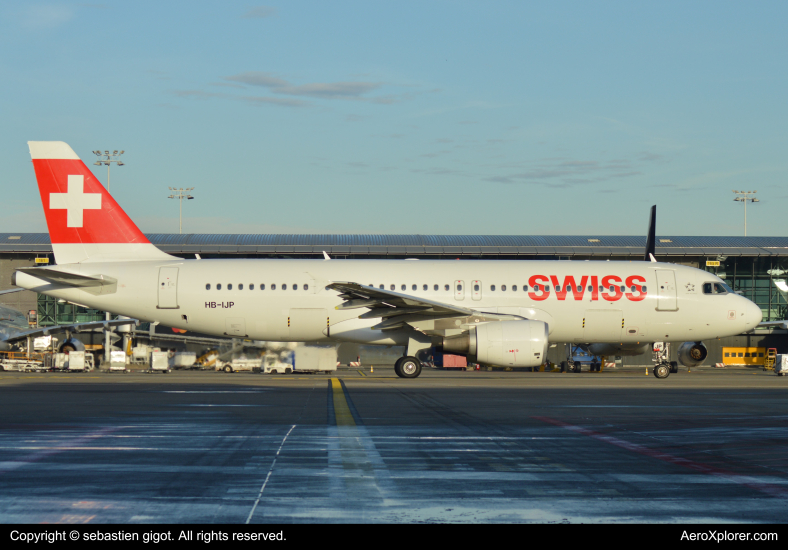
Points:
[(84, 221), (651, 243)]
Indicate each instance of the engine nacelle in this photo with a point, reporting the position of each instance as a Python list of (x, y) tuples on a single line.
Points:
[(72, 344), (692, 354), (503, 343)]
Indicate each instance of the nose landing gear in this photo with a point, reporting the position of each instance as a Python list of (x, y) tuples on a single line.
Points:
[(661, 355)]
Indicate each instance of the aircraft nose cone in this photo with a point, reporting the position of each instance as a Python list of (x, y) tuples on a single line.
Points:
[(752, 314)]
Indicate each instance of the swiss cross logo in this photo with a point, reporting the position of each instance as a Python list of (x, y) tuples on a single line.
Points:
[(75, 202)]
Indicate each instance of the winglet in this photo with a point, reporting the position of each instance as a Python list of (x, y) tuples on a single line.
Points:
[(326, 256), (651, 256), (651, 239)]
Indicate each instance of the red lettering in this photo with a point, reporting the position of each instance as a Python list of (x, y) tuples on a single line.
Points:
[(614, 281), (540, 280), (570, 286), (594, 288), (636, 281)]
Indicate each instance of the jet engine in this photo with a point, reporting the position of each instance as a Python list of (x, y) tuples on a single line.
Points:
[(504, 343), (692, 354), (72, 344)]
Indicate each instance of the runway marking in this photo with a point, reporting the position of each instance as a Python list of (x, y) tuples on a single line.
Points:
[(342, 412), (746, 481), (256, 502)]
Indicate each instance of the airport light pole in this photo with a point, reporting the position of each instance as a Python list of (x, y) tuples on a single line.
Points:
[(108, 159), (180, 193), (745, 197)]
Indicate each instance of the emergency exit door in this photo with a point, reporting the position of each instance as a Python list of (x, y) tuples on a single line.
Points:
[(168, 288), (666, 290)]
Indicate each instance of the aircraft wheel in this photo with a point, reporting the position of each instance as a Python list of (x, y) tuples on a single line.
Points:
[(397, 365), (228, 368), (576, 366), (674, 367), (662, 371), (564, 366), (410, 367)]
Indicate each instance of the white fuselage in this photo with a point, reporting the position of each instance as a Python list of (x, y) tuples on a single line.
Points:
[(296, 306)]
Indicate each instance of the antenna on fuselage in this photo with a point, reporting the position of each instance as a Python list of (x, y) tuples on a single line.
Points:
[(651, 239)]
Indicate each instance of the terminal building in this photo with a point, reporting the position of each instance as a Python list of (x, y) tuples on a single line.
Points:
[(756, 267)]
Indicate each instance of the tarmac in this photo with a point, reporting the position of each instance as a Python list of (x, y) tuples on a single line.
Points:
[(353, 446)]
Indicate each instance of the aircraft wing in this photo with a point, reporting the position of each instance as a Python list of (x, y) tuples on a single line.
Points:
[(75, 327), (393, 308), (774, 324), (9, 291)]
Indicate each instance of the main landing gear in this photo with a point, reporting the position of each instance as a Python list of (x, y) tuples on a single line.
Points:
[(407, 367)]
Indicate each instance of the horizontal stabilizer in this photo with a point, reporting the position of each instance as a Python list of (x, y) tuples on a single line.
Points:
[(66, 278)]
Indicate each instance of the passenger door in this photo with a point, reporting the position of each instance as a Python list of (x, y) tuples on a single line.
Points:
[(602, 325), (168, 288), (666, 290)]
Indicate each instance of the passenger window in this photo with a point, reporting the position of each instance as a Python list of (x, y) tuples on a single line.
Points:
[(425, 287), (590, 289), (208, 286), (643, 289), (525, 288), (381, 287), (446, 287), (476, 288), (284, 287), (219, 286), (413, 287), (536, 288), (514, 288), (547, 288), (273, 287), (435, 288), (623, 289), (262, 287), (503, 288), (251, 287), (295, 287), (558, 288), (601, 289), (579, 289), (633, 288), (392, 287), (706, 288), (241, 286), (611, 288), (403, 287), (306, 287), (492, 287), (230, 286)]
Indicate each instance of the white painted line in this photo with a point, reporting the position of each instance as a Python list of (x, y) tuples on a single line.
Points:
[(256, 502)]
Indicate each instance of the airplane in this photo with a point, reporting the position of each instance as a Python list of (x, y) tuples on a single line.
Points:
[(14, 328), (503, 313)]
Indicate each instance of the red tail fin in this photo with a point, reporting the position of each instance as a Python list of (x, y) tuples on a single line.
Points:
[(85, 223)]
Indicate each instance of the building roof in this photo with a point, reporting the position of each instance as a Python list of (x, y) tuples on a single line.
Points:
[(432, 245)]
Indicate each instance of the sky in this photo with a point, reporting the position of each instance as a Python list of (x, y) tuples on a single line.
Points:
[(428, 117)]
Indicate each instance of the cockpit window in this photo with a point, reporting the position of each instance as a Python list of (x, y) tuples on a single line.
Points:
[(716, 288)]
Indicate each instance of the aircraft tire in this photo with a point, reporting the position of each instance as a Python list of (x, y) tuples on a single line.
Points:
[(662, 371), (410, 367), (674, 367), (564, 366), (397, 364)]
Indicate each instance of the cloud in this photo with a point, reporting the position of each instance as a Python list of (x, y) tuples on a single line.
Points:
[(48, 16), (322, 90), (259, 100), (260, 12), (563, 173)]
